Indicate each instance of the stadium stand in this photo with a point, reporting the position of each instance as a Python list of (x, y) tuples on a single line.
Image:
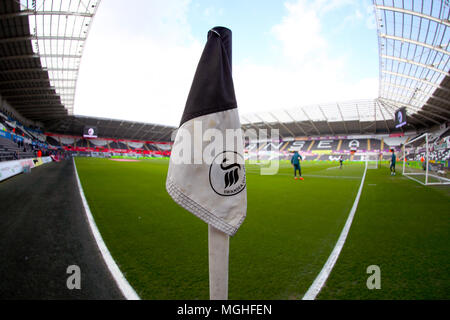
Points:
[(14, 150), (330, 148), (105, 147), (151, 147), (18, 141), (53, 142), (37, 115)]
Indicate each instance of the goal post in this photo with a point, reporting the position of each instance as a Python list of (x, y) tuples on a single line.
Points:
[(372, 159), (422, 163)]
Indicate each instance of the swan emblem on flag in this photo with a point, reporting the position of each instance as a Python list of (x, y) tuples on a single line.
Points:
[(227, 173), (232, 176)]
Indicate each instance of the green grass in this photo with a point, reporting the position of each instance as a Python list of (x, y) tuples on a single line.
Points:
[(404, 228), (290, 230)]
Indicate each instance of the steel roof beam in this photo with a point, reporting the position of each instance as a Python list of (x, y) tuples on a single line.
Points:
[(296, 123), (35, 88), (439, 99), (36, 106), (430, 67), (36, 37), (282, 124), (250, 123), (15, 100), (138, 131), (168, 134), (16, 71), (410, 89), (382, 114), (417, 43), (359, 118), (342, 117), (38, 56), (43, 112), (8, 97), (416, 79), (310, 121), (399, 96), (424, 103), (326, 119), (34, 80), (37, 110), (25, 13), (28, 70), (267, 124), (413, 13), (386, 104)]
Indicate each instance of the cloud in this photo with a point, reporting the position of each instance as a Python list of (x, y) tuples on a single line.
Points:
[(141, 76), (300, 32), (309, 71), (142, 68)]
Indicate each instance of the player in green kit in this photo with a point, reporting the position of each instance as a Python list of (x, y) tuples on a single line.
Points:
[(393, 160), (295, 161)]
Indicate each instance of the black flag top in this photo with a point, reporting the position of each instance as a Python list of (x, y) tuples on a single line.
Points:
[(212, 89), (207, 171)]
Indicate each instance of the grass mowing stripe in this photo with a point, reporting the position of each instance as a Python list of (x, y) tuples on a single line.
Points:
[(319, 282), (290, 229), (404, 228)]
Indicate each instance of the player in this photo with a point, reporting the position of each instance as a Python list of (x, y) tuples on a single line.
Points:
[(341, 160), (393, 159), (422, 161), (295, 161)]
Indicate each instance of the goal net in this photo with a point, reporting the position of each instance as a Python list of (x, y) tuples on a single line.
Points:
[(372, 159), (423, 162)]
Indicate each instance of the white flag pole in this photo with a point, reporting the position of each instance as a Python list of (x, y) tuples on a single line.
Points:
[(218, 247)]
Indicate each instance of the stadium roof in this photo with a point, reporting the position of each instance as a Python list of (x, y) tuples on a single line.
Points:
[(41, 44), (351, 117), (414, 46), (112, 128), (42, 41)]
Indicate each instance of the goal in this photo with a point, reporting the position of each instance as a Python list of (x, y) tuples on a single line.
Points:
[(424, 164), (372, 159)]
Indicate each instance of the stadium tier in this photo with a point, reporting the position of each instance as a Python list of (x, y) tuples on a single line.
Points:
[(325, 148), (107, 147), (107, 212), (14, 149), (18, 141)]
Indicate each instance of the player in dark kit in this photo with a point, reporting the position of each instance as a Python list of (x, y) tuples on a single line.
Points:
[(393, 159), (341, 159), (295, 161)]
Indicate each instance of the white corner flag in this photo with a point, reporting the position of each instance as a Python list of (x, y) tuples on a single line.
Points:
[(207, 171)]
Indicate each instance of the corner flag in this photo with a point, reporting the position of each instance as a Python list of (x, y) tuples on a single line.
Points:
[(206, 176)]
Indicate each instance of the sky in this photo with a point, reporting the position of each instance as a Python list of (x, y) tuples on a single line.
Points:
[(140, 56)]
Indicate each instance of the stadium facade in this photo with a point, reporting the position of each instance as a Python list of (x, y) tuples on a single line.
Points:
[(41, 46)]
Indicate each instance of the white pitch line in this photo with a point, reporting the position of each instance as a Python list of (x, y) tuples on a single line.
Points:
[(126, 289), (319, 282), (308, 175), (324, 176)]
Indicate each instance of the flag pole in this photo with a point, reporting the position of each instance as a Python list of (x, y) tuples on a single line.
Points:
[(218, 247)]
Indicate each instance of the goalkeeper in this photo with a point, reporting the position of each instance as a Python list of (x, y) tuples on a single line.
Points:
[(393, 160), (295, 161)]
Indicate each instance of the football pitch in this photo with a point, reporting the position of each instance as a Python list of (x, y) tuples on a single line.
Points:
[(290, 230)]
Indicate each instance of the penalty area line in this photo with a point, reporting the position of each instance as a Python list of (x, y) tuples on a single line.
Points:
[(320, 280), (126, 289)]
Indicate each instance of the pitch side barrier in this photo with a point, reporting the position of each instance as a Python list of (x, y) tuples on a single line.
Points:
[(9, 169)]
